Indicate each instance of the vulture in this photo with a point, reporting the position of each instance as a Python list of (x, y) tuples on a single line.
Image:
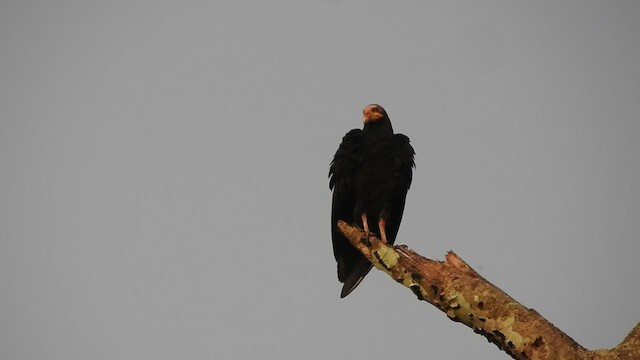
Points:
[(370, 175)]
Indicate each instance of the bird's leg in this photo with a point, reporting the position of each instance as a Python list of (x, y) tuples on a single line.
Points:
[(382, 223), (365, 224)]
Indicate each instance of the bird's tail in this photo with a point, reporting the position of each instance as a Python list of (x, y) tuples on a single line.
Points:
[(355, 277)]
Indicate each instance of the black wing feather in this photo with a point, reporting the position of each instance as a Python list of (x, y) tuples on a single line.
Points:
[(403, 162), (345, 161), (342, 173)]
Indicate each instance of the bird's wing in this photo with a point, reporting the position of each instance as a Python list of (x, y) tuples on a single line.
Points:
[(345, 161), (403, 164), (342, 174), (403, 160)]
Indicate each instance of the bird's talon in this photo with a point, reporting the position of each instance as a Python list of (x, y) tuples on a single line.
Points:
[(365, 238)]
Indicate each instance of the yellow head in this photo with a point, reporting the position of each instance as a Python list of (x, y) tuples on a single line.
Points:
[(373, 112)]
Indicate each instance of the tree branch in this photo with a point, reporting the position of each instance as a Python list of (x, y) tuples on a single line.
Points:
[(459, 291)]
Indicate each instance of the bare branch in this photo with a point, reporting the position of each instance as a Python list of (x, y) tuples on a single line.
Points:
[(459, 291)]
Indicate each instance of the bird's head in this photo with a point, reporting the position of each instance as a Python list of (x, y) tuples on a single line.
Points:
[(372, 113)]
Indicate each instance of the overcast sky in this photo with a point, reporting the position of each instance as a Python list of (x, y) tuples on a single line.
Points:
[(163, 172)]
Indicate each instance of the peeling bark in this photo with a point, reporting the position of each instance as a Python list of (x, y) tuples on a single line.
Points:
[(460, 292)]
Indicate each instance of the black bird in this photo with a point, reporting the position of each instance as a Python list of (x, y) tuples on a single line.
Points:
[(370, 175)]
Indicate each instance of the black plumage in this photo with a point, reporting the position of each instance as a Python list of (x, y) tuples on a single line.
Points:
[(370, 175)]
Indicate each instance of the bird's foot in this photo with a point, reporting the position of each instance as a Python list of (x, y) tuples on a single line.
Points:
[(365, 224), (365, 238), (382, 225)]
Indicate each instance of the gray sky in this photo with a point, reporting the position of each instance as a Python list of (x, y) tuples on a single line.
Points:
[(163, 172)]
